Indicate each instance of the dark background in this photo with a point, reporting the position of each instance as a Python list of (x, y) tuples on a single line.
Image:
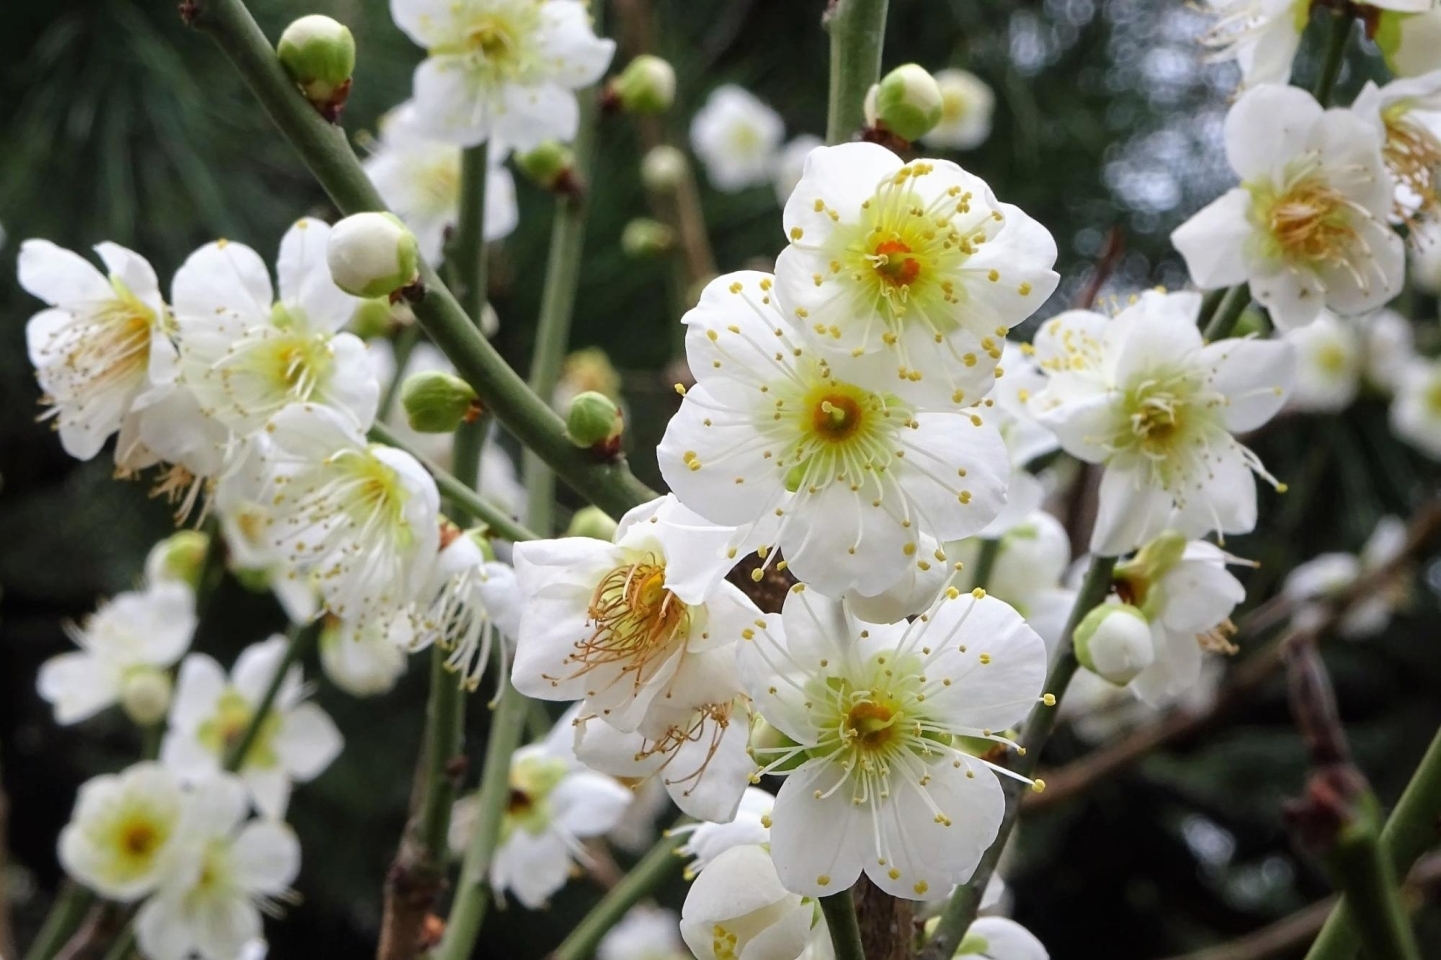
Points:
[(118, 123)]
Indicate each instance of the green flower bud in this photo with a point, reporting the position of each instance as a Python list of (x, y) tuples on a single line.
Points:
[(372, 255), (437, 402), (766, 741), (1114, 642), (643, 238), (593, 420), (664, 169), (548, 165), (179, 558), (1138, 577), (372, 318), (591, 522), (907, 102), (254, 579), (646, 85), (319, 55), (145, 695)]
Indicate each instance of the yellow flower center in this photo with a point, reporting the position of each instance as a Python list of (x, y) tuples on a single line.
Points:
[(842, 427), (499, 41), (1306, 223), (1332, 358), (226, 727), (636, 621), (1413, 155), (873, 724)]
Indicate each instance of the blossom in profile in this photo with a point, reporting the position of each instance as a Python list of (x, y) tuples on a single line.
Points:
[(1308, 227), (1000, 938), (1408, 114), (875, 779), (294, 742), (917, 263), (1327, 577), (501, 70), (644, 933), (1142, 394), (94, 346), (736, 137), (813, 452), (738, 907), (706, 840), (470, 603), (967, 103)]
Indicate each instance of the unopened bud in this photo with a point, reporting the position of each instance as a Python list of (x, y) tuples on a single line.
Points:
[(145, 695), (646, 85), (594, 422), (767, 741), (663, 169), (591, 522), (548, 165), (1410, 43), (319, 55), (372, 255), (643, 238), (1114, 642), (438, 402), (179, 558), (372, 318), (907, 102)]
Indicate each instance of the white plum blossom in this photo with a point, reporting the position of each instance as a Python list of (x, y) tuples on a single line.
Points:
[(644, 933), (707, 840), (967, 104), (698, 753), (469, 601), (554, 804), (1000, 938), (790, 164), (1416, 408), (247, 353), (1407, 114), (127, 646), (1390, 349), (1330, 356), (1408, 34), (814, 453), (501, 70), (872, 782), (738, 907), (638, 628), (124, 835), (231, 869), (1329, 575), (736, 137), (295, 742), (1142, 394), (419, 179), (363, 518), (1262, 36), (1308, 225), (366, 659), (917, 263), (95, 347)]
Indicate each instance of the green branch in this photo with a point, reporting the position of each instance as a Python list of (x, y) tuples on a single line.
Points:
[(325, 150), (301, 639), (649, 872), (1222, 321), (857, 29), (845, 929), (1341, 24), (966, 900)]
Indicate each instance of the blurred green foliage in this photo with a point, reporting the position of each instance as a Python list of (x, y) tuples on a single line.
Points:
[(116, 122)]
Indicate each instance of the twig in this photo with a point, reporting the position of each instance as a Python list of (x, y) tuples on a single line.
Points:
[(1111, 251), (857, 28), (648, 873), (1228, 312), (845, 929)]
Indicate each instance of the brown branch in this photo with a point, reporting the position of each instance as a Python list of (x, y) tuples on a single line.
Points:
[(888, 924), (1298, 929), (1111, 251), (1244, 680), (102, 924)]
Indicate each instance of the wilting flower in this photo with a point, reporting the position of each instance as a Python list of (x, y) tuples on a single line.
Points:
[(229, 871), (873, 780), (126, 648), (1142, 394), (1329, 361), (294, 742), (1416, 409), (247, 354), (813, 453), (123, 836), (736, 137), (916, 262), (738, 907), (966, 107), (1308, 226), (501, 70), (418, 177), (94, 347)]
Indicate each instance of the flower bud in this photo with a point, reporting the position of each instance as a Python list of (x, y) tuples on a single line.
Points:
[(586, 369), (548, 165), (591, 522), (646, 85), (319, 55), (1138, 577), (372, 318), (594, 421), (372, 255), (643, 238), (907, 102), (179, 558), (663, 169), (1114, 642), (145, 695), (438, 402), (1409, 42)]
